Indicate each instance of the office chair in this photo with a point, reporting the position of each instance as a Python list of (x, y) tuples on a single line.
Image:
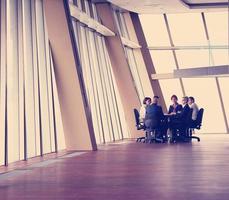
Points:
[(151, 135), (154, 130), (180, 131), (196, 125), (139, 125)]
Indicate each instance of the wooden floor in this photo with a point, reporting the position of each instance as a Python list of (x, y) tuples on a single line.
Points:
[(128, 170)]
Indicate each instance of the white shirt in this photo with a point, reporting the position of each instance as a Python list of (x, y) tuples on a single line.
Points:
[(142, 113), (195, 110)]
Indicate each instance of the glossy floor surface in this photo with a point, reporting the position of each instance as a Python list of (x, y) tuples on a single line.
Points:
[(128, 170)]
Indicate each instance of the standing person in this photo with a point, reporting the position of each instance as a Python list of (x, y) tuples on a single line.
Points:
[(146, 102), (175, 107), (194, 107)]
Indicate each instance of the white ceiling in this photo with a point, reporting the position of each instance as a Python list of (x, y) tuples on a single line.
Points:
[(159, 6)]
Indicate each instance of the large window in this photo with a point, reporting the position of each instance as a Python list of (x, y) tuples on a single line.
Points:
[(30, 116), (102, 94), (182, 31), (189, 40), (209, 99), (155, 30), (137, 71)]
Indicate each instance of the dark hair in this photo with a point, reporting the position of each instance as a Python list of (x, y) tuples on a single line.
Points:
[(186, 98), (146, 99), (155, 96), (174, 96), (192, 99)]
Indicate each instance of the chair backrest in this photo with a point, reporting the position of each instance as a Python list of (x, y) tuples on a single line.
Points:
[(199, 118), (189, 117), (136, 115), (139, 125)]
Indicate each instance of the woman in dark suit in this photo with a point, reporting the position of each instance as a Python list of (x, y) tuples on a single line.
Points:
[(175, 107)]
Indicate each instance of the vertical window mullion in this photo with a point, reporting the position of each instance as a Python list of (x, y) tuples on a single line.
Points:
[(3, 85), (93, 78), (111, 88), (12, 81), (103, 87), (109, 91), (21, 85), (49, 85)]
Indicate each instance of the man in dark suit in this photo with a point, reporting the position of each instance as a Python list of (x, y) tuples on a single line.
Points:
[(182, 116), (179, 121), (154, 114), (153, 118)]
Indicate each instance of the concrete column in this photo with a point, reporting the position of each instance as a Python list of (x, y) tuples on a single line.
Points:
[(76, 116)]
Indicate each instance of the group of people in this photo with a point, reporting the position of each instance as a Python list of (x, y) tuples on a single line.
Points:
[(152, 116)]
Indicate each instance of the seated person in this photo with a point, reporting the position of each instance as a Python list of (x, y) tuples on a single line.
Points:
[(146, 102), (175, 107), (194, 107), (179, 120), (154, 115)]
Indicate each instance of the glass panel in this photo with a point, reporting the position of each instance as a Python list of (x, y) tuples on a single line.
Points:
[(183, 35), (105, 84), (135, 74), (118, 23), (36, 87), (194, 58), (224, 82), (87, 9), (29, 81), (49, 87), (163, 61), (93, 101), (182, 31), (170, 87), (2, 79), (99, 83), (75, 2), (26, 68), (110, 95), (58, 120), (117, 101), (21, 82), (13, 82), (142, 73), (45, 110), (124, 27), (209, 100), (220, 56), (125, 131), (155, 30), (217, 24), (101, 95), (95, 12)]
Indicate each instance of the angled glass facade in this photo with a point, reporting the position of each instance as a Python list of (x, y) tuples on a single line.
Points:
[(201, 41), (136, 67), (30, 116), (102, 93), (29, 108)]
